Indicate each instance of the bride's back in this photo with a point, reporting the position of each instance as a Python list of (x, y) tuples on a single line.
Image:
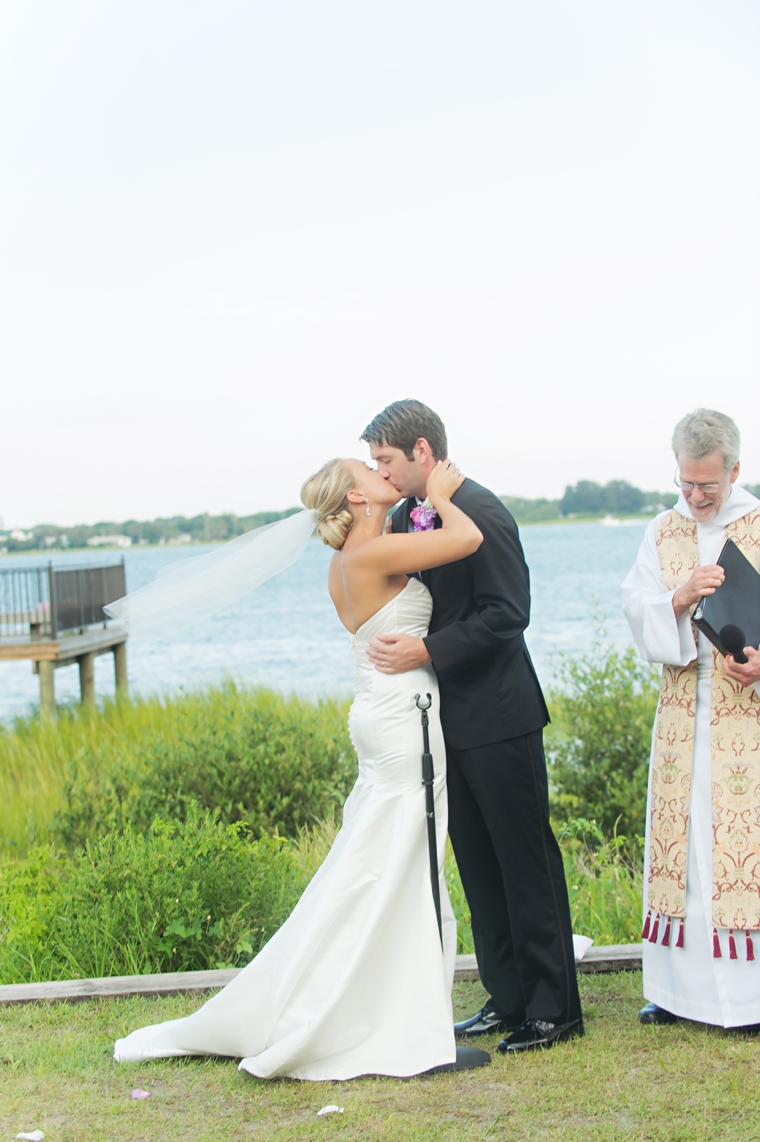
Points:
[(358, 591)]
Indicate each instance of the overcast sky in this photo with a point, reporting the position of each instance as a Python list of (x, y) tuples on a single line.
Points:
[(231, 232)]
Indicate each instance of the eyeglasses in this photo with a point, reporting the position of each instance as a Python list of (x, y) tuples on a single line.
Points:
[(708, 489)]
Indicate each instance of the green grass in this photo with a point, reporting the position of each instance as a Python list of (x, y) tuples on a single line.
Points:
[(598, 742), (605, 883), (196, 894), (100, 779), (605, 895), (276, 762), (186, 896), (621, 1082)]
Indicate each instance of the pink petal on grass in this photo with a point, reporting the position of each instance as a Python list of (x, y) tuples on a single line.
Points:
[(141, 1094)]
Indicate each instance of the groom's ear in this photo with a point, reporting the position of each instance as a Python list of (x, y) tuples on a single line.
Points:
[(423, 453)]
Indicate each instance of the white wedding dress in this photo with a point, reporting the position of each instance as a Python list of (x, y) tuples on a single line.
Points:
[(355, 981)]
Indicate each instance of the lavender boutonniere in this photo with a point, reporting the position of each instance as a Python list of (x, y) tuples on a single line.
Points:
[(423, 516)]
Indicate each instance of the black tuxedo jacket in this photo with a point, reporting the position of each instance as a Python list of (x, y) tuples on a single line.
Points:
[(481, 606)]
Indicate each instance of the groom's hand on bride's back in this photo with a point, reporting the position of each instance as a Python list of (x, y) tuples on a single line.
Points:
[(397, 653)]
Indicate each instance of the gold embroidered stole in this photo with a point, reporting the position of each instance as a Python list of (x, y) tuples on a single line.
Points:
[(735, 751)]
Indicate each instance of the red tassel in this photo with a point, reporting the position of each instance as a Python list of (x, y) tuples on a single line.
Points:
[(645, 933), (655, 929), (717, 954), (750, 947), (731, 945), (666, 937), (679, 941)]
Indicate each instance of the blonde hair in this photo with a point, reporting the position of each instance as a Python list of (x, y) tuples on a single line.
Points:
[(326, 492)]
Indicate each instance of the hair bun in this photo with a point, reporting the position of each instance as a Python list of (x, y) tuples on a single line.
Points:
[(326, 491), (333, 528)]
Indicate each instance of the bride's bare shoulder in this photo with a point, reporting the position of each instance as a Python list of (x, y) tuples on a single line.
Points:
[(355, 555)]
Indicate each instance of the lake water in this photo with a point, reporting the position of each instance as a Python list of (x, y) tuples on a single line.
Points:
[(286, 635)]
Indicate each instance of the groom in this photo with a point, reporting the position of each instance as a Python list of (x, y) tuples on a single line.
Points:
[(493, 714)]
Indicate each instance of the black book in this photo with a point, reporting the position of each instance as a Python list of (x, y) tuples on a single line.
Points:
[(735, 603)]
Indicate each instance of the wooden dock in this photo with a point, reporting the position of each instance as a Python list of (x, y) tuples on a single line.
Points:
[(55, 617), (66, 650), (613, 957)]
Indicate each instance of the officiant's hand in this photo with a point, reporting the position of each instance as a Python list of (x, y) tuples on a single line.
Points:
[(745, 672), (397, 653), (702, 583)]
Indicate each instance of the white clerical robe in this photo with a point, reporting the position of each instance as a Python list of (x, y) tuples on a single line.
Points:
[(688, 981)]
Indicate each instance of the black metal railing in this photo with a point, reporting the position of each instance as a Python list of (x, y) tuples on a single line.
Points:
[(41, 602)]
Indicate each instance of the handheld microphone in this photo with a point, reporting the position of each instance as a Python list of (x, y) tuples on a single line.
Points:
[(732, 637)]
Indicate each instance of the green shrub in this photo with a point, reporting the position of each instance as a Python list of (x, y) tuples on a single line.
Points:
[(604, 883), (599, 741), (200, 894), (465, 943), (184, 896), (278, 763), (604, 886)]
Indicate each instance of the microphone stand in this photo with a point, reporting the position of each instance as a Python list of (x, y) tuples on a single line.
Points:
[(467, 1058), (428, 777)]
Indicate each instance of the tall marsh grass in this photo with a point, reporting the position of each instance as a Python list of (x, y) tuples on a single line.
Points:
[(157, 835), (605, 882), (186, 895), (200, 894), (251, 755)]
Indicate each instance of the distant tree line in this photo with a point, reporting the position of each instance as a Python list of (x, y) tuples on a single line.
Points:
[(532, 511), (177, 529), (589, 499), (584, 499), (618, 497)]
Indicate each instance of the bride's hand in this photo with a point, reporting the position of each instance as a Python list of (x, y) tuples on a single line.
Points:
[(443, 481)]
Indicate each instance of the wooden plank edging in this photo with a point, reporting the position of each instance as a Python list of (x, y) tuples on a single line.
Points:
[(610, 957), (614, 957)]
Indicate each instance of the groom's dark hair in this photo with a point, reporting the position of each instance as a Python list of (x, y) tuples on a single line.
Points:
[(401, 425)]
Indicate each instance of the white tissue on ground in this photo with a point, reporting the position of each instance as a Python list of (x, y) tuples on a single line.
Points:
[(329, 1110), (33, 1136), (581, 945)]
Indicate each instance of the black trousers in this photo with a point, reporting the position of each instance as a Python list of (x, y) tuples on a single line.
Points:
[(512, 874)]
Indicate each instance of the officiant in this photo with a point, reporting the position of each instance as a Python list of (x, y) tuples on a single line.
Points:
[(701, 949)]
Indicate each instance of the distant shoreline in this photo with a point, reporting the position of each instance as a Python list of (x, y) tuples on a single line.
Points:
[(586, 502), (620, 520)]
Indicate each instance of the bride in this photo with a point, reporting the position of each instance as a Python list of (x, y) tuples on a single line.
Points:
[(355, 981)]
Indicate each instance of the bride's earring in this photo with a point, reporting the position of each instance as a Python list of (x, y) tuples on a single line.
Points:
[(369, 509)]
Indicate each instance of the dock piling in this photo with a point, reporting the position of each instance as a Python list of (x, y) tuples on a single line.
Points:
[(46, 668), (120, 667), (87, 678)]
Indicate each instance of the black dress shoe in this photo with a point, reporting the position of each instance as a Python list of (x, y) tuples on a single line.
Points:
[(468, 1058), (654, 1014), (536, 1033), (486, 1021)]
